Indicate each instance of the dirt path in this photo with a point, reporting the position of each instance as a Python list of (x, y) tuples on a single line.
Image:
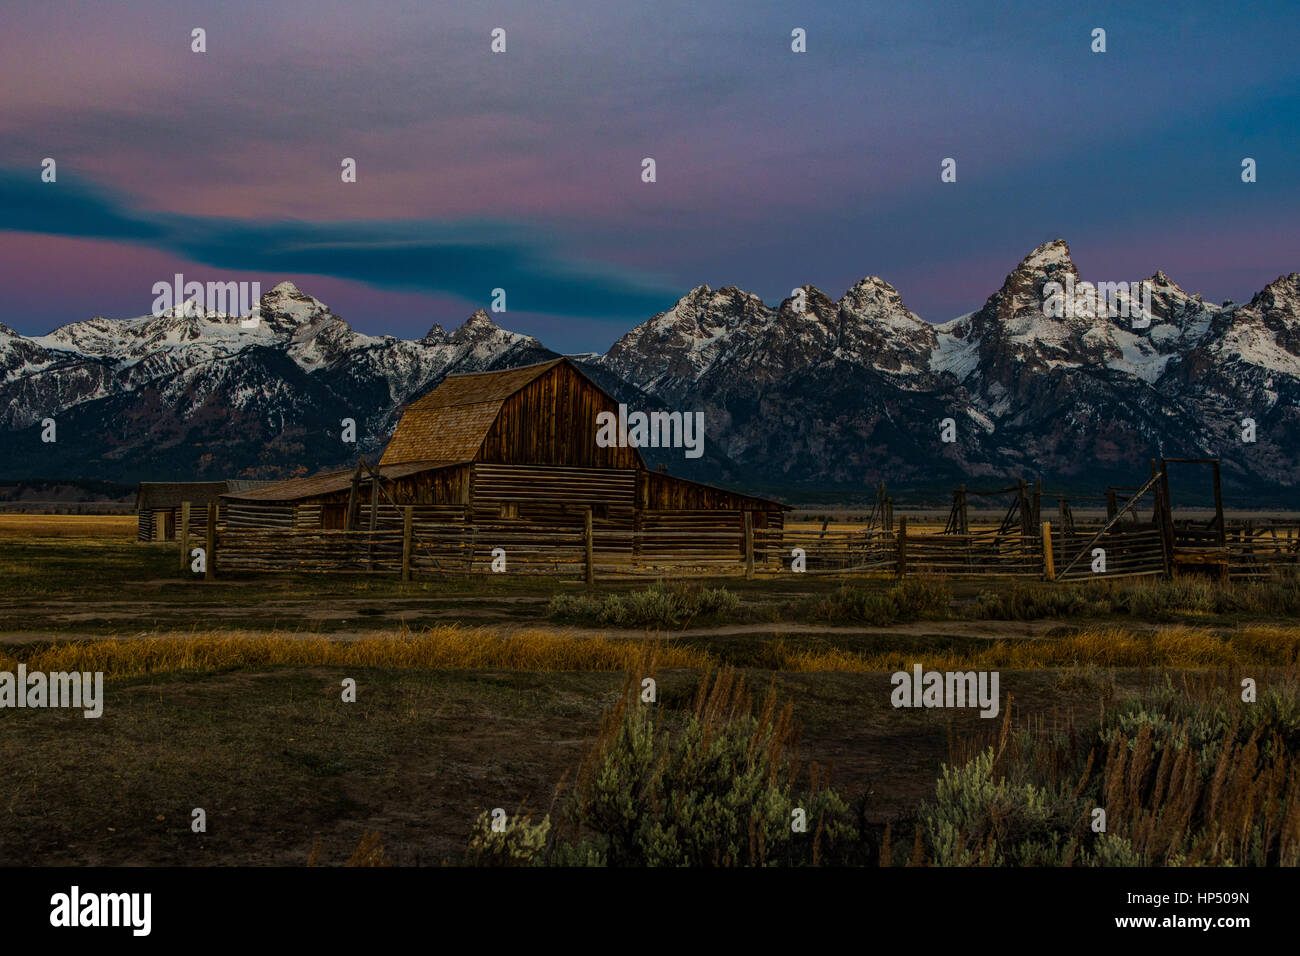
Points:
[(979, 630)]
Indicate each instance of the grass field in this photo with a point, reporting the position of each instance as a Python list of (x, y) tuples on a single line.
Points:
[(486, 692), (67, 526), (277, 760)]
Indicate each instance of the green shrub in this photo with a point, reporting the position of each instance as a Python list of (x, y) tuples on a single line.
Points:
[(521, 842), (1186, 776), (1112, 850), (713, 787), (1210, 719), (914, 599), (981, 818), (1159, 600), (661, 605), (1024, 602)]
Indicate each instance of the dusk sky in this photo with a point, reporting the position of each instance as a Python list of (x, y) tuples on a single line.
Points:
[(522, 170)]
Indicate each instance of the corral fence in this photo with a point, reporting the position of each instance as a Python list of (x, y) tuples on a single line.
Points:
[(1259, 549), (415, 540)]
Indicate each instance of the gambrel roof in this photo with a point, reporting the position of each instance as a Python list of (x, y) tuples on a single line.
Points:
[(451, 422)]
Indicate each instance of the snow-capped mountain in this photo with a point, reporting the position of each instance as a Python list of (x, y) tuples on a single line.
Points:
[(812, 392), (825, 392), (200, 393)]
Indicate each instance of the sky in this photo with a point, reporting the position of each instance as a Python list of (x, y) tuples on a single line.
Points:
[(522, 170)]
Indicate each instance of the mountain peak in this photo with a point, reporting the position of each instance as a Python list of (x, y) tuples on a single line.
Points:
[(813, 303), (1288, 285), (287, 309), (1043, 257), (872, 282), (1279, 301), (1024, 286), (480, 320), (479, 327), (873, 295), (873, 302)]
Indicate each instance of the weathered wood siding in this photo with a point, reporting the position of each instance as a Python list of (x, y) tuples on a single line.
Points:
[(164, 524), (257, 514), (552, 421), (554, 496), (660, 492), (445, 486)]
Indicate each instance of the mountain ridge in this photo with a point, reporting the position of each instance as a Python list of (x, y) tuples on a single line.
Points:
[(811, 393)]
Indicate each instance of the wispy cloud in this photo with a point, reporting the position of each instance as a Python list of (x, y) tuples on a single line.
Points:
[(466, 258)]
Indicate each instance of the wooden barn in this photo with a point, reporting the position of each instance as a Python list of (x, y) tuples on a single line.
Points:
[(159, 504), (516, 446)]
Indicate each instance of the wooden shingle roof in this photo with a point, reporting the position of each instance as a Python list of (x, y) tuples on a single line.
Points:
[(474, 388), (295, 489), (451, 422), (153, 495), (156, 495)]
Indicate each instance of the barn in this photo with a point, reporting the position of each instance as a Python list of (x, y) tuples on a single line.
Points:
[(517, 447), (159, 505)]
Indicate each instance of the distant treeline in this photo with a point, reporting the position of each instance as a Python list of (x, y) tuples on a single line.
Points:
[(46, 493)]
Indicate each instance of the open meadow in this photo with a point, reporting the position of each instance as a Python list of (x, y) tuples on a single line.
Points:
[(526, 695)]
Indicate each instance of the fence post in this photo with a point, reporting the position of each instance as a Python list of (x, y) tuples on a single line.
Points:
[(1049, 560), (1218, 508), (749, 545), (348, 523), (902, 546), (210, 549), (1163, 521), (587, 544), (185, 534), (637, 535), (1026, 516), (374, 518), (407, 520)]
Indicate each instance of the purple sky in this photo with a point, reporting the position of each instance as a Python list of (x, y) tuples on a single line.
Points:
[(522, 169)]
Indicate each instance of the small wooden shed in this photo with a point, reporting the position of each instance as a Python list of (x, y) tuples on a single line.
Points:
[(158, 504)]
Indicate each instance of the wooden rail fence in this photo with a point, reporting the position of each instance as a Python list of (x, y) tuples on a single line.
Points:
[(413, 541)]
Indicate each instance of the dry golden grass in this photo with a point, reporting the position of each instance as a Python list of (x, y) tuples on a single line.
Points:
[(439, 648), (67, 526), (1100, 647), (1154, 794), (451, 647)]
